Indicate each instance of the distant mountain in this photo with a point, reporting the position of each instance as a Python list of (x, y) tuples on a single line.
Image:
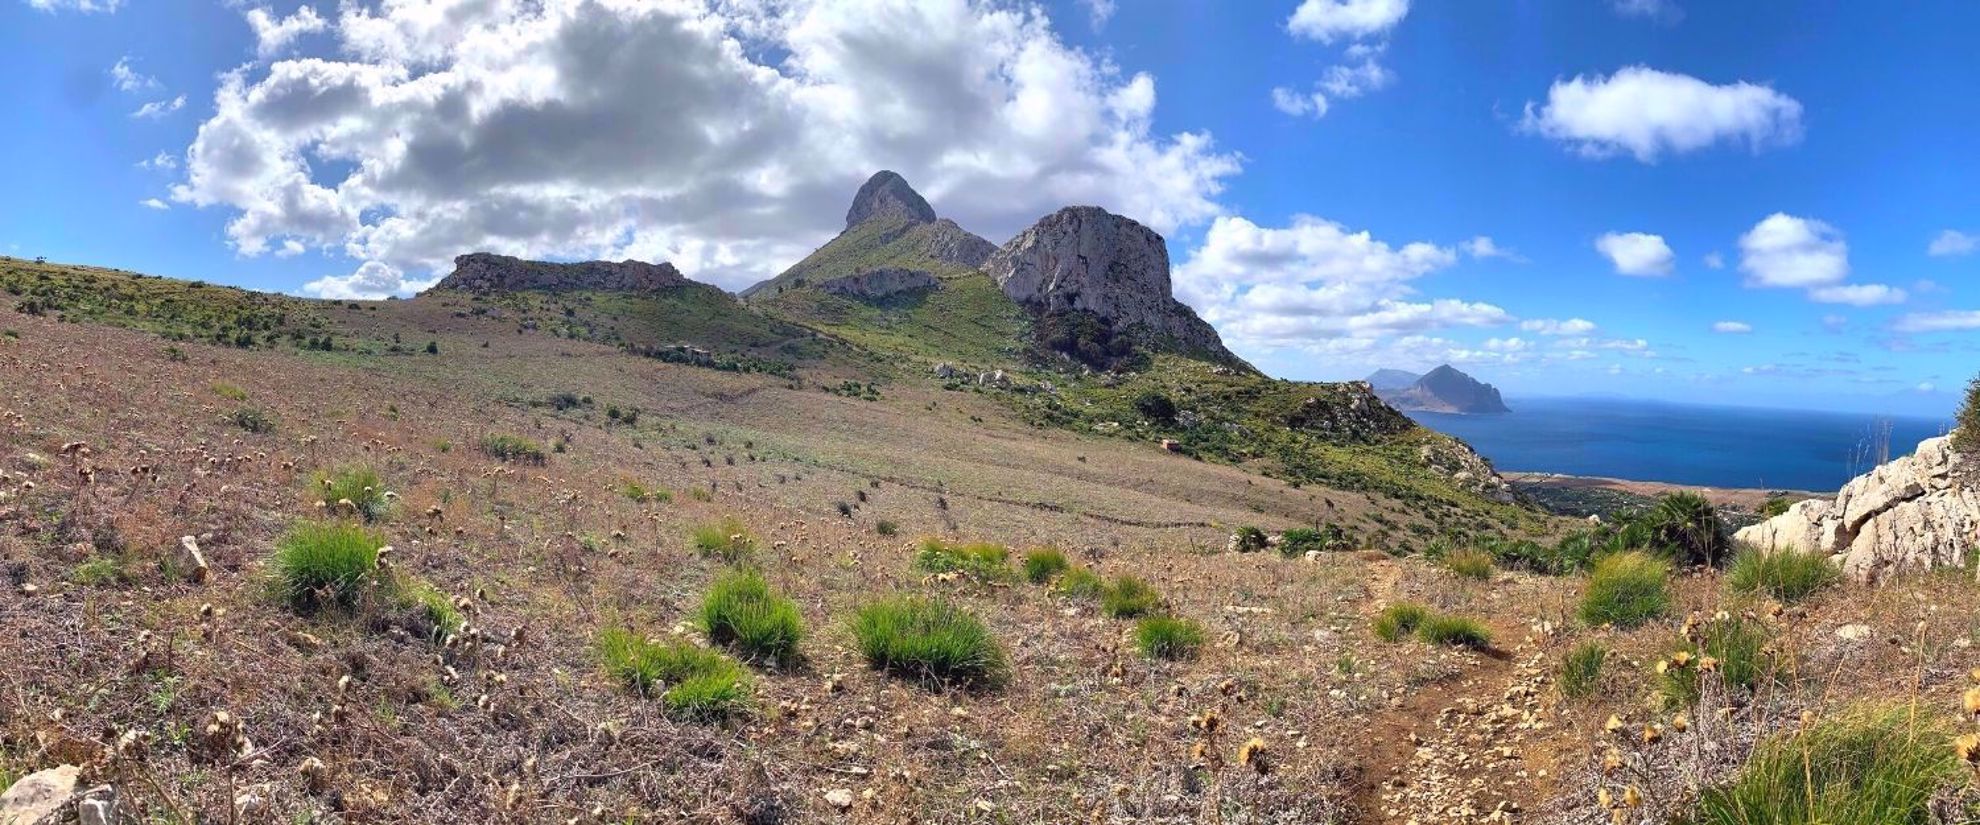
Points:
[(1443, 389), (1387, 379)]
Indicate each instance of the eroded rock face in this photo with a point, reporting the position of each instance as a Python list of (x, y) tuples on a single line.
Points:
[(945, 241), (1086, 259), (875, 284), (486, 272), (887, 194), (1917, 512)]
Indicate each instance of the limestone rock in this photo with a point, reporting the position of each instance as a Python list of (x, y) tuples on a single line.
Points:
[(484, 272), (192, 560), (876, 284), (1086, 259), (1914, 513), (38, 794), (887, 194)]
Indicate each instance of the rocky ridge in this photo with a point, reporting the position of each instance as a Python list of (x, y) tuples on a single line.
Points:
[(1917, 512), (484, 272), (888, 226)]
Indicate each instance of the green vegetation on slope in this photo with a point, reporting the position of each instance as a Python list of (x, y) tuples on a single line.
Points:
[(178, 310)]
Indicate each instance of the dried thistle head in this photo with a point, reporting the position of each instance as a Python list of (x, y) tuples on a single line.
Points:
[(1252, 755)]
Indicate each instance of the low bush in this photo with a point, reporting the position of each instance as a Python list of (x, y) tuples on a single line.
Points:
[(886, 528), (1167, 637), (642, 494), (513, 449), (1868, 765), (1786, 575), (728, 540), (1397, 621), (253, 419), (928, 639), (693, 683), (1081, 583), (1733, 647), (319, 564), (1454, 631), (982, 561), (1581, 669), (1470, 563), (1249, 539), (1626, 590), (1966, 435), (743, 613), (1299, 541), (1043, 564), (358, 485), (1129, 597), (1686, 526)]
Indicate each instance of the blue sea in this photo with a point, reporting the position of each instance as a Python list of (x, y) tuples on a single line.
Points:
[(1683, 443)]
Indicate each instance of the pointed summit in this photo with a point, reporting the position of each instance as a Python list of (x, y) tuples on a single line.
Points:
[(887, 194)]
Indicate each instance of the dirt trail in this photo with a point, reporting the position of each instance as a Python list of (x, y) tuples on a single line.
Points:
[(1454, 750)]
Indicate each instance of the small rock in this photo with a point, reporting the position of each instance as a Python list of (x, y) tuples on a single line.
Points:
[(100, 811), (840, 798), (38, 794), (1853, 632), (194, 561)]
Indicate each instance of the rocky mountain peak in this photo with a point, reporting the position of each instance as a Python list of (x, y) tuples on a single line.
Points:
[(887, 194), (1444, 389), (487, 272), (1086, 259)]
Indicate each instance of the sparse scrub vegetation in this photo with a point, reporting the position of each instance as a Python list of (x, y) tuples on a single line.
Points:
[(982, 561), (1469, 563), (884, 527), (514, 449), (1454, 631), (741, 611), (1044, 564), (1867, 764), (1626, 590), (1299, 541), (929, 639), (1129, 597), (1732, 648), (1398, 621), (1167, 637), (1688, 527), (321, 564), (728, 540), (1785, 575), (693, 683), (641, 494), (354, 491), (1249, 539), (1966, 432), (1581, 669), (253, 419), (1080, 583)]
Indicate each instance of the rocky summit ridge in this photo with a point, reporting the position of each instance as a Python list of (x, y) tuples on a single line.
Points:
[(889, 226), (485, 272)]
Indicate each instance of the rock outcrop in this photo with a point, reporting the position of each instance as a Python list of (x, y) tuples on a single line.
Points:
[(1914, 513), (889, 226), (1444, 389), (484, 272), (877, 284), (1086, 259), (888, 195)]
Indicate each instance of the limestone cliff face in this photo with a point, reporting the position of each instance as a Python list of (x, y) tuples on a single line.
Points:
[(1916, 512), (1086, 259), (888, 195), (876, 284), (485, 272)]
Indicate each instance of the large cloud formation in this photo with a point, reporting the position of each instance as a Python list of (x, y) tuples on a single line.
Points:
[(725, 136)]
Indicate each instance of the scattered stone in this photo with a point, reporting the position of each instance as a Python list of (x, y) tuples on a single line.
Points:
[(1853, 632), (193, 560), (38, 794), (840, 798)]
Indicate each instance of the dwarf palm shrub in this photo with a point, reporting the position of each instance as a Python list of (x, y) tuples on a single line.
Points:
[(1626, 590), (1785, 575), (983, 561), (1042, 564), (928, 639), (693, 683), (1166, 637), (1397, 621), (1687, 526), (728, 540), (1869, 765), (319, 564), (1129, 597), (742, 612)]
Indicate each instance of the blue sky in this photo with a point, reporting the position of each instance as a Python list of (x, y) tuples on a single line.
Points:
[(1748, 203)]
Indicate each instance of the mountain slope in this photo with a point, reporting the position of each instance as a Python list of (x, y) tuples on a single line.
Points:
[(1447, 390), (888, 226)]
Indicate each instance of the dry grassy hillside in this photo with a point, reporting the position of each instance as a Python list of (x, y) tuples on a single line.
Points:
[(462, 680)]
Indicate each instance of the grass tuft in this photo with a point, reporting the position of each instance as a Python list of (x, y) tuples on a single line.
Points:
[(929, 639), (1044, 564), (1080, 583), (319, 564), (1786, 575), (693, 683), (1454, 631), (742, 612), (1470, 563), (728, 540), (1129, 597), (1397, 621), (1737, 648), (1626, 590), (1869, 765), (982, 561), (1581, 669), (1167, 637), (512, 448), (358, 485)]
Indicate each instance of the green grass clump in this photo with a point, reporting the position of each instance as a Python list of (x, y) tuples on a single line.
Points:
[(319, 564), (742, 612), (1249, 539), (1397, 621), (1167, 637), (1454, 631), (253, 419), (101, 570), (1626, 590), (1785, 575), (640, 493), (439, 611), (982, 561), (728, 540), (513, 449), (1129, 597), (693, 683), (886, 528), (929, 639), (1044, 563), (1470, 563), (1581, 669), (1080, 583), (1737, 649), (229, 391), (358, 485), (1879, 765)]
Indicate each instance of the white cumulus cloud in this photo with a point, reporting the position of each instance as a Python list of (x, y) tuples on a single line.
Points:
[(372, 281), (1646, 113), (1637, 253), (1953, 242), (1331, 20), (1732, 327), (1549, 326), (273, 34), (128, 79), (1862, 295), (160, 108), (1661, 11), (84, 6), (1365, 25), (1787, 251), (1947, 321), (154, 203)]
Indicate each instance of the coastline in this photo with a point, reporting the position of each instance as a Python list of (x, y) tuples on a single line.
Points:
[(1596, 495)]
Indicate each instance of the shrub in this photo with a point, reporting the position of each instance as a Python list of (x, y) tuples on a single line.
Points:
[(358, 485), (514, 449), (1129, 597), (928, 639), (1155, 407), (742, 612), (1044, 563), (1397, 621), (1738, 651), (1869, 765), (229, 391), (728, 540), (1686, 526), (982, 561), (1249, 539), (1081, 583), (1966, 435), (1785, 575), (693, 683), (1298, 541), (1777, 505), (1581, 669), (886, 528), (1470, 563), (101, 570), (1454, 631), (325, 563), (1626, 590), (253, 419), (1166, 637)]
